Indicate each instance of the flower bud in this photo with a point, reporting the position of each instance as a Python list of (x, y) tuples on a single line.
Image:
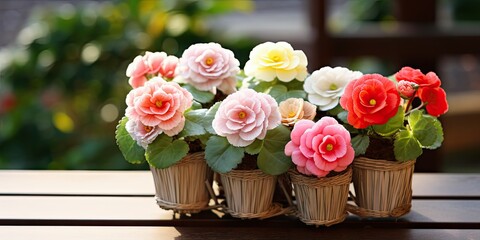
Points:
[(406, 89)]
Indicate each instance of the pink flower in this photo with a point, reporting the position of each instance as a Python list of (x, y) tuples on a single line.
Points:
[(321, 147), (141, 133), (154, 61), (168, 67), (207, 66), (136, 82), (144, 67), (159, 103), (406, 89), (245, 116), (137, 68)]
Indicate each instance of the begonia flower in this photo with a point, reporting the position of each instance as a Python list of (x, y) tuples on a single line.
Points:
[(276, 60), (326, 85), (159, 103), (208, 66), (371, 99), (294, 109), (321, 147), (246, 115)]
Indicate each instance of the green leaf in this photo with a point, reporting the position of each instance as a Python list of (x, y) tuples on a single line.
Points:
[(294, 85), (193, 123), (406, 146), (255, 147), (280, 93), (163, 153), (208, 118), (295, 94), (200, 96), (261, 86), (131, 151), (336, 110), (221, 156), (392, 126), (272, 159), (343, 116), (360, 144), (439, 134), (426, 129)]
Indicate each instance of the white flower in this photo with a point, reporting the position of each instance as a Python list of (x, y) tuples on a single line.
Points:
[(141, 133), (276, 60), (326, 85)]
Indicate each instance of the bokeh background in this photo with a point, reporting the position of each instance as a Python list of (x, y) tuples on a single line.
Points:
[(62, 63)]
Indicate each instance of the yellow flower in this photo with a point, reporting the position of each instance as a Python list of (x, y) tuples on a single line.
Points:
[(294, 109), (276, 60)]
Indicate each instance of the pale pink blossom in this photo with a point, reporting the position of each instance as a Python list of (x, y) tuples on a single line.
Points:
[(154, 61), (141, 133), (207, 66), (147, 66), (406, 88), (168, 67), (137, 68), (321, 147), (246, 115), (159, 103), (136, 82)]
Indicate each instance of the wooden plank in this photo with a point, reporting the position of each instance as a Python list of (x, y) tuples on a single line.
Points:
[(179, 233), (140, 183), (44, 182), (435, 186), (139, 211)]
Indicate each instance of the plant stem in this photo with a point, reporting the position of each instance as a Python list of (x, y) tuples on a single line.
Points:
[(417, 108)]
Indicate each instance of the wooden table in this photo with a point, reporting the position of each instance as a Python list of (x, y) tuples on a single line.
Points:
[(120, 205)]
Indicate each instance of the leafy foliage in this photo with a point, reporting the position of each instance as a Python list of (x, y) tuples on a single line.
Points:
[(131, 151), (272, 159), (164, 151), (221, 156)]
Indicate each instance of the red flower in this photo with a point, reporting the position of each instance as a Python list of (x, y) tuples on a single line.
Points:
[(435, 99), (371, 99), (416, 76)]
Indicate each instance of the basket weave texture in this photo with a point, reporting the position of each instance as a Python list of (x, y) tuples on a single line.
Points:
[(382, 188), (181, 187), (249, 193), (321, 201)]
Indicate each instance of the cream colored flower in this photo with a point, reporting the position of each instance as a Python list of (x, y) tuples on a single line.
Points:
[(294, 109), (276, 60)]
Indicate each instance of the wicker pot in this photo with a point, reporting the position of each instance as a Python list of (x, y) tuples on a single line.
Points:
[(321, 201), (182, 187), (382, 188), (249, 193)]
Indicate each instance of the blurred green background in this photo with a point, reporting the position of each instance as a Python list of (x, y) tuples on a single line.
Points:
[(63, 83)]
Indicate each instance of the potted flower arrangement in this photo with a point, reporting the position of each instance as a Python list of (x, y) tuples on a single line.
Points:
[(322, 150), (392, 120), (166, 121), (247, 146)]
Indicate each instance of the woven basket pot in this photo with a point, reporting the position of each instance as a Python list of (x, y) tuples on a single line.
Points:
[(382, 188), (249, 193), (182, 187), (321, 201)]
